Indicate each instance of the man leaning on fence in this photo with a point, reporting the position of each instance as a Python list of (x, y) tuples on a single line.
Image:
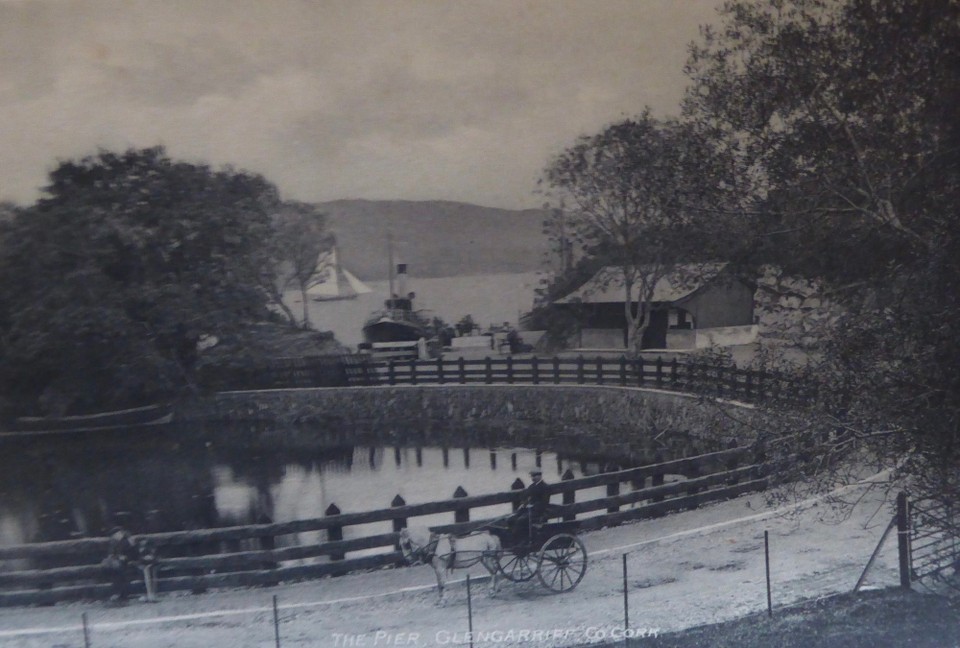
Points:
[(121, 563)]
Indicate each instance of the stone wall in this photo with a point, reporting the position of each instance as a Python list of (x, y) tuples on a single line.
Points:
[(623, 425)]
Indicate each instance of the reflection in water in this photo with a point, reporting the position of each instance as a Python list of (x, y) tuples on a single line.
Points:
[(68, 488)]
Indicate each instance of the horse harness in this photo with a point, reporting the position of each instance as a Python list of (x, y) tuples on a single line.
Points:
[(423, 554), (450, 560)]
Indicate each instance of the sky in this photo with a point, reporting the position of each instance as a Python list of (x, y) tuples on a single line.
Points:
[(464, 100)]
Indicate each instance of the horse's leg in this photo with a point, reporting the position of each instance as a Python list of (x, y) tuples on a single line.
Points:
[(438, 570), (491, 565)]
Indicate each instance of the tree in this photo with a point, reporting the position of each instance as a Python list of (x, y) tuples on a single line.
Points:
[(842, 116), (627, 196), (304, 250), (111, 279)]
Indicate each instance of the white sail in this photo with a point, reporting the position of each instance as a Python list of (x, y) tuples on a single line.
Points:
[(333, 281)]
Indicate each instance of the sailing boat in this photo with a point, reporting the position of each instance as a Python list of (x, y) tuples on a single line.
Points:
[(333, 281)]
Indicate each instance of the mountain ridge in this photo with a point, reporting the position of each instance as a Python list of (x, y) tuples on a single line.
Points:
[(436, 238)]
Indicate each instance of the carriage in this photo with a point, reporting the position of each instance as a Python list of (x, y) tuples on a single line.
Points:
[(551, 552)]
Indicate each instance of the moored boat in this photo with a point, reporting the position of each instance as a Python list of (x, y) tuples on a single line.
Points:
[(137, 416), (397, 321)]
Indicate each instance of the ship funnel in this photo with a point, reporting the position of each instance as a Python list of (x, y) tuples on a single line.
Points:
[(402, 280)]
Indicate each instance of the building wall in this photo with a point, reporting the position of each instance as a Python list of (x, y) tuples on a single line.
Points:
[(722, 303)]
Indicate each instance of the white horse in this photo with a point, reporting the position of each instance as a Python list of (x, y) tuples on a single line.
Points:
[(445, 552)]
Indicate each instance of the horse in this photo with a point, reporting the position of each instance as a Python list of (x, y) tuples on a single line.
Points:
[(445, 552)]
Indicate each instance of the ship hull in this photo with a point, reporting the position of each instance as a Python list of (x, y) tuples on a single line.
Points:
[(390, 330)]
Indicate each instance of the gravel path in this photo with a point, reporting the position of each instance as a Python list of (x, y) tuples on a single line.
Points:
[(686, 569)]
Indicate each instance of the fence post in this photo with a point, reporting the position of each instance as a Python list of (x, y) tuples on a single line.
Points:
[(398, 523), (535, 370), (599, 370), (623, 371), (334, 533), (86, 631), (692, 473), (517, 485), (659, 371), (461, 365), (903, 539), (626, 604), (638, 363), (440, 369), (461, 514), (569, 497), (391, 372), (489, 370), (580, 378), (733, 463), (556, 370), (766, 553), (657, 478), (509, 370), (613, 489), (276, 622), (413, 372), (493, 460), (469, 613), (673, 373)]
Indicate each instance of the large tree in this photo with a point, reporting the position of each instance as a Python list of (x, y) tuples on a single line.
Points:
[(842, 114), (115, 274), (304, 249), (629, 196)]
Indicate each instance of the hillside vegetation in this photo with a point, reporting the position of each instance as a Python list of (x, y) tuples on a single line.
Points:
[(436, 238)]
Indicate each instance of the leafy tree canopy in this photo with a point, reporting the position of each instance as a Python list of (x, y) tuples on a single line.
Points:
[(841, 115), (115, 274), (631, 198)]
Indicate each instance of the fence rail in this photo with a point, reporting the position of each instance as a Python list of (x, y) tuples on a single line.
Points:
[(694, 377), (630, 494)]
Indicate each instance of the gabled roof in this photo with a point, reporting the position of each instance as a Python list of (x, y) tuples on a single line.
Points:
[(606, 286)]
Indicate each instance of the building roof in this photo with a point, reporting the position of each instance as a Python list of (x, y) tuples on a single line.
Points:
[(606, 286)]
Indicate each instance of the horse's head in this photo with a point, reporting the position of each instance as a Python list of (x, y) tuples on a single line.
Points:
[(416, 545)]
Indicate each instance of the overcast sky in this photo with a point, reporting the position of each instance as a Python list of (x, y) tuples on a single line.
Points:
[(392, 99)]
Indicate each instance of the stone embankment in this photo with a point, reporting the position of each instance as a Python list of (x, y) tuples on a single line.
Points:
[(625, 425)]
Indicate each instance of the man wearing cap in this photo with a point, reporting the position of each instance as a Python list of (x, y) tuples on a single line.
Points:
[(533, 506)]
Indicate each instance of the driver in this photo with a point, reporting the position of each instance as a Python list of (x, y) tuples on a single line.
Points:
[(534, 505)]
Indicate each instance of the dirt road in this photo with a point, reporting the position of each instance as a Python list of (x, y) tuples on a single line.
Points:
[(686, 569)]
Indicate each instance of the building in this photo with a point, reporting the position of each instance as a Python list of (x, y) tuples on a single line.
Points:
[(693, 306)]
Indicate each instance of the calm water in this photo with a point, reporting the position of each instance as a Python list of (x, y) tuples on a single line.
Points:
[(69, 488), (489, 299)]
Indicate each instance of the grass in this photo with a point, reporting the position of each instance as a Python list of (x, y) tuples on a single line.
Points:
[(874, 619)]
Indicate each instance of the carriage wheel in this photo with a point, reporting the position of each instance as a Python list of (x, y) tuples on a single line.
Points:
[(563, 563), (518, 567)]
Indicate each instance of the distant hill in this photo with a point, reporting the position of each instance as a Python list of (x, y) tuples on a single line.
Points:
[(436, 238)]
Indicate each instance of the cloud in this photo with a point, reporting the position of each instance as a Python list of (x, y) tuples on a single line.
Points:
[(461, 100)]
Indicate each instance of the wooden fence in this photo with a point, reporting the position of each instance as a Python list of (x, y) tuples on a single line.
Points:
[(195, 560), (691, 377), (361, 369)]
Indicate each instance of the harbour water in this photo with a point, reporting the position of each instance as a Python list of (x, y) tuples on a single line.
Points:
[(69, 488), (488, 299)]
